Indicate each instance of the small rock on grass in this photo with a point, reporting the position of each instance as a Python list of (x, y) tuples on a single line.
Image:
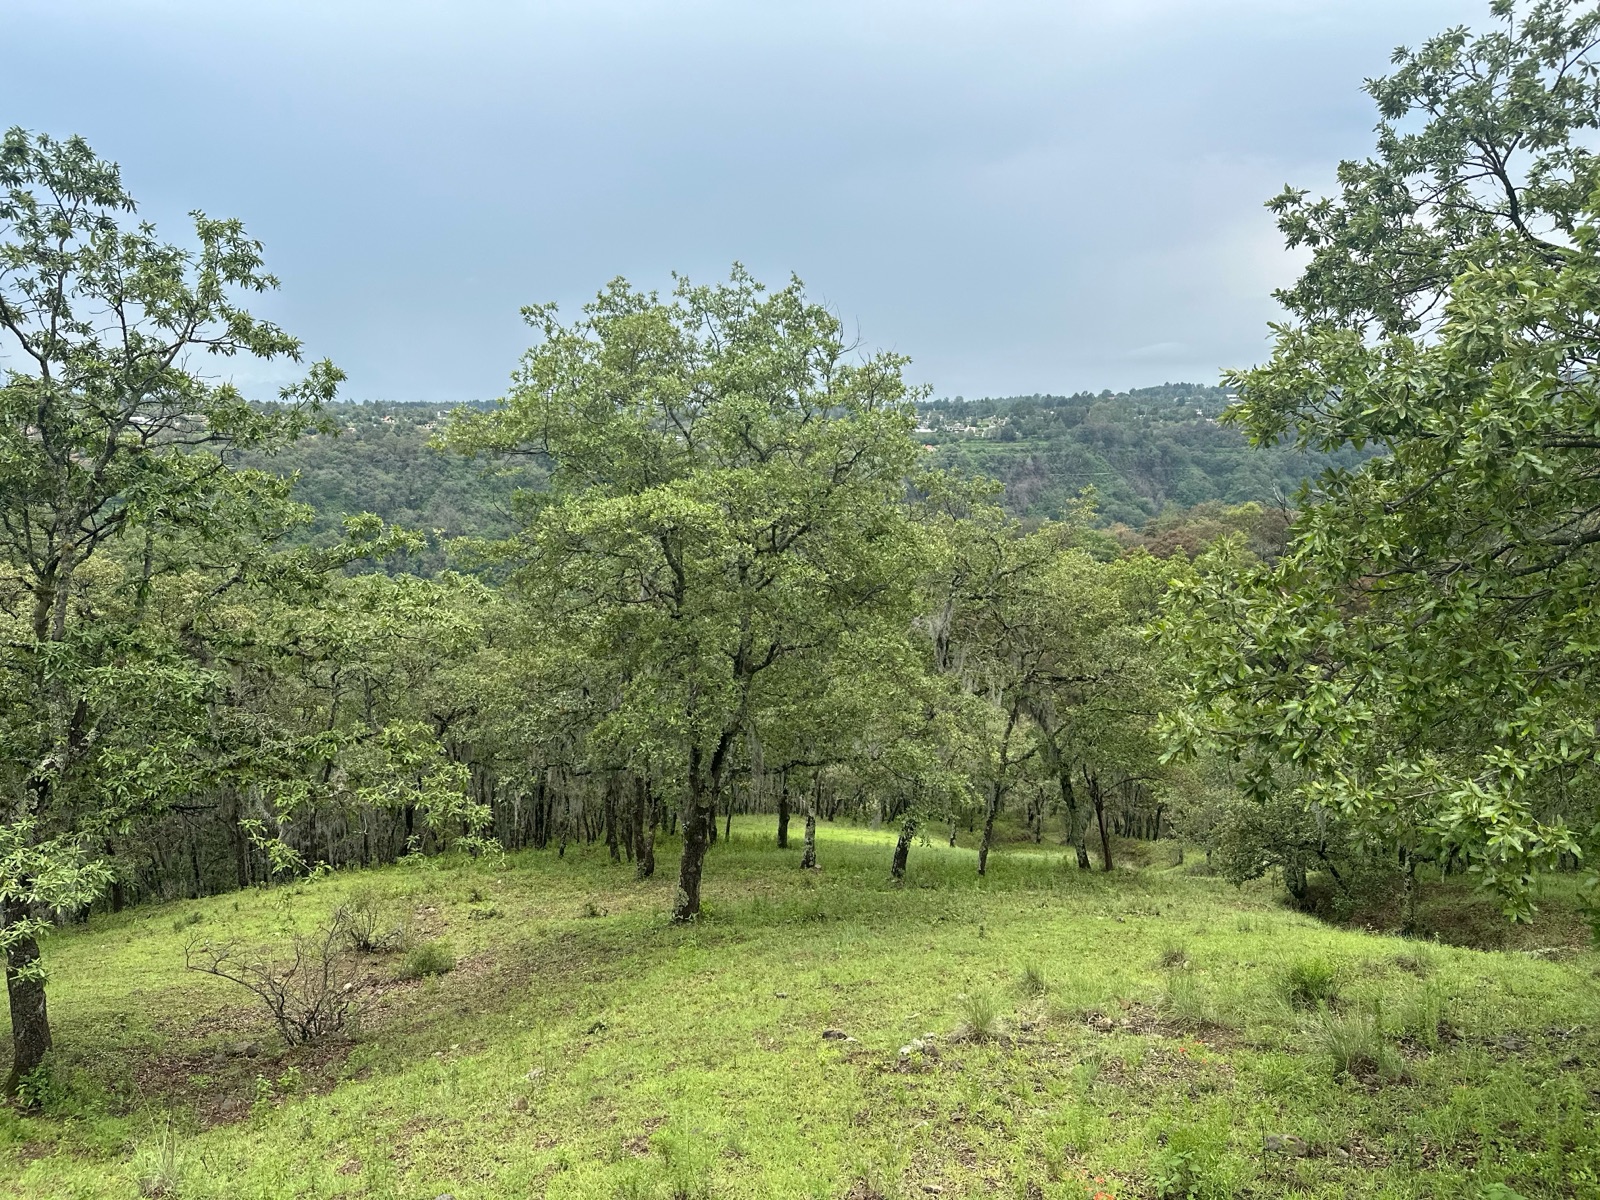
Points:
[(1286, 1143), (836, 1035)]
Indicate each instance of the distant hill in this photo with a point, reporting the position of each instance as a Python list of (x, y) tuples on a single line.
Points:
[(1143, 451), (380, 461)]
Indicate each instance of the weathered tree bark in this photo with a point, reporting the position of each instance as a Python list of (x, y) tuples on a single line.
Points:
[(808, 856), (1409, 893), (25, 989), (783, 811), (902, 848), (641, 805), (990, 810), (1075, 819), (645, 866), (1097, 798), (699, 826), (610, 815), (700, 822)]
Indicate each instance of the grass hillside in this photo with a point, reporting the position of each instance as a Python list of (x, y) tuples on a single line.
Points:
[(1041, 1033)]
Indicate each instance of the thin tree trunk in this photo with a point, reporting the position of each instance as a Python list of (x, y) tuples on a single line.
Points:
[(1098, 799), (902, 848), (1075, 820), (641, 804), (646, 863), (988, 829), (1409, 894), (610, 802), (783, 811), (808, 856)]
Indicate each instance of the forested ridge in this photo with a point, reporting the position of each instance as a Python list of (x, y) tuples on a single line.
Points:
[(1144, 452), (716, 767)]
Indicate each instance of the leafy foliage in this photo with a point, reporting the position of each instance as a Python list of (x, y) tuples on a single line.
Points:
[(1421, 661)]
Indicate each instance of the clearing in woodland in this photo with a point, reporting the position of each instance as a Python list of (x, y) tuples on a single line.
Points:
[(1043, 1032)]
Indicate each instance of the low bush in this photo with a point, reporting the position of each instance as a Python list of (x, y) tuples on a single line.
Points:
[(316, 996), (366, 924), (427, 958)]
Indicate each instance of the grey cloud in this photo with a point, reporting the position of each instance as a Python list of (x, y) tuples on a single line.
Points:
[(1012, 193)]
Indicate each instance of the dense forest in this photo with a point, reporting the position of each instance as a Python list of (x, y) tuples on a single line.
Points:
[(1142, 452), (1156, 459), (381, 458), (712, 662)]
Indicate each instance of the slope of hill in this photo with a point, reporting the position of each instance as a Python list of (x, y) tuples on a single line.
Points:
[(1045, 1032), (1142, 451), (380, 460)]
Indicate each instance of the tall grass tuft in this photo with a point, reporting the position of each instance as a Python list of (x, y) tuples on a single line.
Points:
[(1356, 1043), (1186, 1002), (1032, 981), (1312, 983), (980, 1017)]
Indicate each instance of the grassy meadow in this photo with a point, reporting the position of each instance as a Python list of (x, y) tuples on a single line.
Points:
[(1153, 1033)]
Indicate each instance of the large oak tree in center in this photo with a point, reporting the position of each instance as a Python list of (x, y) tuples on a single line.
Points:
[(727, 508)]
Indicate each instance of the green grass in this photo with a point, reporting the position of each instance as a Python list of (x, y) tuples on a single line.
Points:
[(584, 1047)]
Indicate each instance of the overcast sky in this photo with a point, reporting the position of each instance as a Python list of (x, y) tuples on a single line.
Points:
[(1022, 195)]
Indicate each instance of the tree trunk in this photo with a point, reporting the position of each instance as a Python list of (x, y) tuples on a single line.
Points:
[(988, 829), (646, 863), (1294, 879), (808, 855), (783, 812), (1075, 821), (641, 805), (611, 819), (1098, 799), (25, 988), (1409, 894), (699, 828), (902, 849)]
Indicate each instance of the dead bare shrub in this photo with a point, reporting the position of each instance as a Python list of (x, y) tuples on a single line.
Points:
[(317, 995)]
